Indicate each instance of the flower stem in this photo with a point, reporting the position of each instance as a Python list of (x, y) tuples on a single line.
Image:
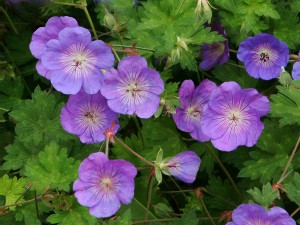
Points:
[(232, 50), (150, 186), (133, 152), (9, 20), (140, 48), (178, 10), (225, 171), (106, 146), (170, 219), (206, 210), (236, 65), (116, 54), (90, 21), (294, 213), (21, 203), (139, 129), (290, 160), (177, 185)]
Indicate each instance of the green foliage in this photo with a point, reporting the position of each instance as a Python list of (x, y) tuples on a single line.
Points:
[(293, 189), (43, 111), (12, 189), (124, 219), (274, 145), (187, 218), (265, 196), (12, 93), (76, 214), (220, 195), (52, 169), (286, 104)]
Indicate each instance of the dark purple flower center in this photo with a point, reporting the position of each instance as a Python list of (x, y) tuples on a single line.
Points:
[(92, 117), (133, 89), (264, 57)]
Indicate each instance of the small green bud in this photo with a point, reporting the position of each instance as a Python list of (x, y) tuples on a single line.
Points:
[(285, 78), (109, 20)]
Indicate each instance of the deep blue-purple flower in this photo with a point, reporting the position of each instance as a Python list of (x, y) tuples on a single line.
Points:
[(253, 214), (296, 69), (216, 53), (263, 56)]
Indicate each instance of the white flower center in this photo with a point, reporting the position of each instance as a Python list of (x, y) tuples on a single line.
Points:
[(106, 183), (195, 111), (133, 89), (91, 117), (234, 117)]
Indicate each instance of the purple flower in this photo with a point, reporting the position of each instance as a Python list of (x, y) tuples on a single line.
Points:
[(263, 56), (216, 53), (88, 117), (194, 103), (254, 214), (38, 2), (184, 166), (75, 61), (133, 88), (44, 34), (104, 184), (233, 116), (296, 69)]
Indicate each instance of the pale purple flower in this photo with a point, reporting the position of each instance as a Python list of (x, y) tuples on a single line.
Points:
[(194, 103), (216, 53), (263, 56), (88, 117), (133, 88), (104, 184), (296, 69), (44, 34), (184, 166), (253, 214), (75, 61), (37, 2), (233, 116)]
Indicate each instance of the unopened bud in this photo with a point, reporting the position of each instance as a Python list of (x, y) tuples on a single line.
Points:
[(109, 20), (203, 9), (285, 78)]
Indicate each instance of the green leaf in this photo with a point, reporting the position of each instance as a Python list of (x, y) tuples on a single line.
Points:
[(77, 214), (275, 145), (286, 104), (12, 189), (12, 92), (52, 169), (124, 219), (293, 189), (189, 218), (264, 197), (38, 120)]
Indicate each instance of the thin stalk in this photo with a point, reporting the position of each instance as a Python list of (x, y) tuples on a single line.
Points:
[(294, 213), (65, 3), (116, 54), (133, 152), (106, 146), (90, 21), (175, 192), (180, 7), (21, 203), (225, 171), (236, 65), (36, 205), (206, 210), (174, 181), (139, 128), (171, 219), (217, 196), (9, 20), (149, 196), (140, 48), (231, 50), (290, 160)]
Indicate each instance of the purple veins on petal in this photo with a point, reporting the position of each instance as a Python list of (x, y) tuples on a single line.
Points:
[(133, 88), (263, 56), (104, 184), (73, 61), (88, 117), (194, 103), (184, 166), (258, 215), (233, 116)]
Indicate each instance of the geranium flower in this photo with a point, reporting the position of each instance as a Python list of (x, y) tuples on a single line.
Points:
[(133, 88), (254, 214), (233, 116), (183, 166), (263, 56), (44, 34), (104, 184), (216, 53), (88, 117), (296, 69), (75, 61), (194, 103)]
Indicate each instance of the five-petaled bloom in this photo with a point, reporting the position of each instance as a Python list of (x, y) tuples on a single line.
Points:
[(233, 116), (296, 69), (194, 103), (216, 53), (263, 56), (44, 34), (88, 117), (133, 88), (253, 214), (104, 184), (75, 61), (183, 166)]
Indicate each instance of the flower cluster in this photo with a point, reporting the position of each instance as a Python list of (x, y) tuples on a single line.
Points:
[(228, 115), (256, 214)]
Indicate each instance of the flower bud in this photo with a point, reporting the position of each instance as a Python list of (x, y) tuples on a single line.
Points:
[(203, 9), (285, 78), (109, 20)]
